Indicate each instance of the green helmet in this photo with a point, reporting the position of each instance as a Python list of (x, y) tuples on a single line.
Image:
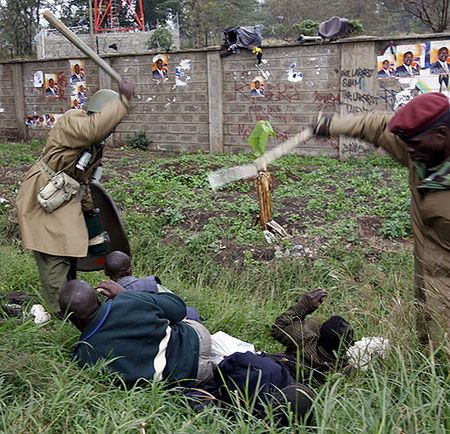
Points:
[(100, 99)]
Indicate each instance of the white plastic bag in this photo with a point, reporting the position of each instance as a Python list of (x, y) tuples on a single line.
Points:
[(363, 351), (40, 315), (224, 345)]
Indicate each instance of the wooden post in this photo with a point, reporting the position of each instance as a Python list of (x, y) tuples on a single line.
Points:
[(263, 187)]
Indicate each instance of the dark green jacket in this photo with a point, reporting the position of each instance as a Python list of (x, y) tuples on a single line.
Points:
[(144, 336)]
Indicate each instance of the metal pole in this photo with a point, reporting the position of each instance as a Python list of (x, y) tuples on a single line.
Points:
[(91, 26)]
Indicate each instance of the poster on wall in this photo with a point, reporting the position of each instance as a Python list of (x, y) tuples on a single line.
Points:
[(38, 79), (78, 88), (75, 102), (78, 95), (160, 67), (46, 120), (181, 72), (439, 57), (386, 63), (51, 85), (76, 71), (410, 59), (257, 87)]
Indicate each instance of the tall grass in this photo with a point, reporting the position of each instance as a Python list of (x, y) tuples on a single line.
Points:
[(41, 391)]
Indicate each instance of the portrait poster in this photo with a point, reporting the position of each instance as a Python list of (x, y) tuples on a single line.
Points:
[(79, 92), (76, 71), (257, 87), (51, 85), (439, 59), (75, 102), (53, 118), (415, 51), (160, 67), (386, 64)]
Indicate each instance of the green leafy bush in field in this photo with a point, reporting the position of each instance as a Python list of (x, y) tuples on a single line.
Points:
[(139, 141)]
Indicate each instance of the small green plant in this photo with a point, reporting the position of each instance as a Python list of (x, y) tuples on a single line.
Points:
[(139, 141), (356, 28), (307, 28), (161, 38), (260, 136), (397, 226)]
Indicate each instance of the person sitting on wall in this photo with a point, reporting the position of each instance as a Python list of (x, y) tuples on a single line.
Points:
[(118, 268)]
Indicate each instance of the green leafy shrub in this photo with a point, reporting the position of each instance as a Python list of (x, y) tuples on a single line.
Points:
[(397, 226), (307, 27), (356, 28), (161, 38), (139, 141)]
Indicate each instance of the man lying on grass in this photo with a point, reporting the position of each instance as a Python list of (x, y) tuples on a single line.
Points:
[(118, 268), (312, 348), (145, 335)]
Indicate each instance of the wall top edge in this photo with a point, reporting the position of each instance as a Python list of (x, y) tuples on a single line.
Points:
[(216, 48)]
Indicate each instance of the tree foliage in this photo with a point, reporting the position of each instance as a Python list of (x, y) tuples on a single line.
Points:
[(432, 13), (205, 20), (161, 38), (202, 21), (159, 11), (18, 25)]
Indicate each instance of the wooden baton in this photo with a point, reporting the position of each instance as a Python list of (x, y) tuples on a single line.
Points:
[(72, 37)]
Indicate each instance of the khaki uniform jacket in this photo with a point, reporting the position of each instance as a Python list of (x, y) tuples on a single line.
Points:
[(63, 232), (430, 219)]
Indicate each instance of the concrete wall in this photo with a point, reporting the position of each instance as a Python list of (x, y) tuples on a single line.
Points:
[(52, 45), (215, 111)]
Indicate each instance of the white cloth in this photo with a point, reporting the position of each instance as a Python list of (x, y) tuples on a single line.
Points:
[(224, 345), (40, 315), (363, 351)]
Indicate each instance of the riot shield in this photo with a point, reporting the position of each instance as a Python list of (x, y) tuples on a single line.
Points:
[(112, 224)]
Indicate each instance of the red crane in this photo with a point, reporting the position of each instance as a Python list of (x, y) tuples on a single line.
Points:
[(118, 16)]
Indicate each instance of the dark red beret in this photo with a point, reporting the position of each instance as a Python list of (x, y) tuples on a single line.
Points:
[(419, 114)]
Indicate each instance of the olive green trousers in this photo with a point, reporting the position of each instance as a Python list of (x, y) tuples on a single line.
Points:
[(54, 271)]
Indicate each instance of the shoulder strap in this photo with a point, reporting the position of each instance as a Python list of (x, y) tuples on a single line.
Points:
[(50, 173)]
